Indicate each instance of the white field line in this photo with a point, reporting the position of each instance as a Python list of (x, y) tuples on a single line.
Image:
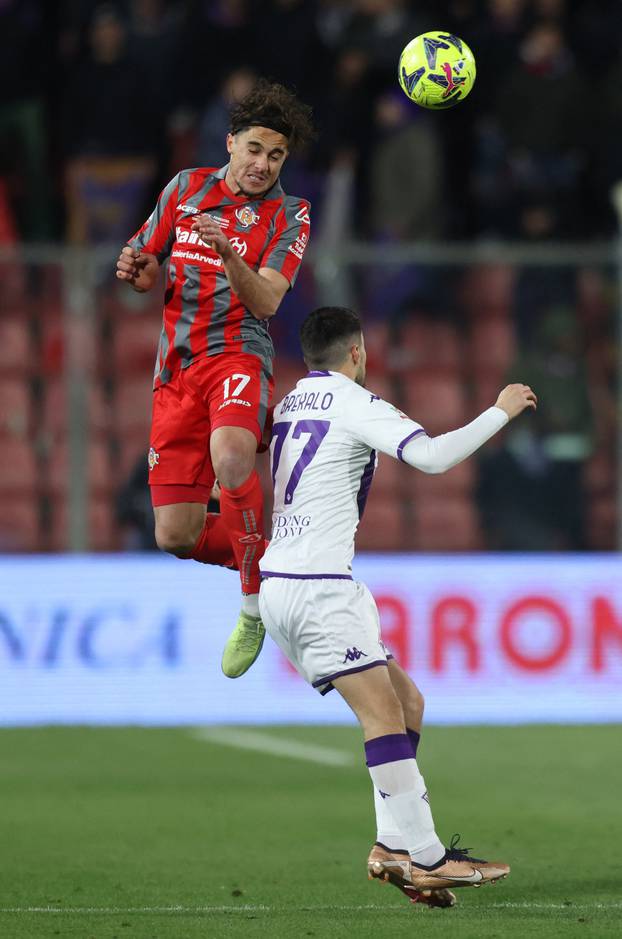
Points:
[(276, 746), (111, 910)]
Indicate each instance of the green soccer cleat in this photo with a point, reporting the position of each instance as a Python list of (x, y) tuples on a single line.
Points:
[(243, 645)]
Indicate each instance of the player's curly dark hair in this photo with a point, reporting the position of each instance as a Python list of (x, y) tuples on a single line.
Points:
[(269, 104)]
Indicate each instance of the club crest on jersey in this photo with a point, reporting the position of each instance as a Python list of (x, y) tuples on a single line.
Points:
[(153, 458), (246, 216), (239, 245)]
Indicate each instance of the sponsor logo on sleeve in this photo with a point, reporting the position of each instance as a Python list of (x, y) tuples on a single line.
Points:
[(303, 216), (298, 247), (239, 245)]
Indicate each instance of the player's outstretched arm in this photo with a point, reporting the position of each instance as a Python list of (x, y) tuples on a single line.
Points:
[(439, 454), (139, 270)]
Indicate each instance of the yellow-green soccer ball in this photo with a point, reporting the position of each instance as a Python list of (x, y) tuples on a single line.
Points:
[(437, 70)]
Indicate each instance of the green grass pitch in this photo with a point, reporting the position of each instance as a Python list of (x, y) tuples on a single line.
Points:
[(151, 833)]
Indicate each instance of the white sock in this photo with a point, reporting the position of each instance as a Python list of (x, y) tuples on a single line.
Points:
[(387, 832), (250, 604), (395, 774)]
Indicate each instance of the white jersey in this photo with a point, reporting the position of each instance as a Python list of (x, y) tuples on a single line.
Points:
[(323, 455)]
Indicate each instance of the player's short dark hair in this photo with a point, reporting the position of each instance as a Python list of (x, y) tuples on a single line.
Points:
[(269, 104), (327, 334)]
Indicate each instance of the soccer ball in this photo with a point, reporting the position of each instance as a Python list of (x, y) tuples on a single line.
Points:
[(436, 70)]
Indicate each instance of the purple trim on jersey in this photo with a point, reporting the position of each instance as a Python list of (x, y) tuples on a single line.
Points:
[(388, 749), (366, 481), (414, 738), (317, 374), (406, 441), (307, 576), (348, 671)]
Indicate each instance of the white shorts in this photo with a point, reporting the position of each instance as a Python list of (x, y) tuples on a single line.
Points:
[(327, 628)]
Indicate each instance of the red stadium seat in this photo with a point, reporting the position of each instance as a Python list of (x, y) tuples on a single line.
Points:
[(424, 343), (457, 481), (20, 524), (392, 478), (15, 407), (383, 525), (382, 386), (132, 407), (434, 399), (492, 345), (99, 471), (18, 468), (286, 374), (17, 351), (446, 524), (135, 343), (377, 343), (488, 289), (55, 413), (101, 526)]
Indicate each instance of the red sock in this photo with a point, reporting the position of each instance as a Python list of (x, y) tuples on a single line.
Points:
[(242, 512), (214, 544)]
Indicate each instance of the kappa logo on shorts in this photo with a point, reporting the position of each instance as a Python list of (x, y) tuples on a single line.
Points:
[(153, 458), (353, 655)]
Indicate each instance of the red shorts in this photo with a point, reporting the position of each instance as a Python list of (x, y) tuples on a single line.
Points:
[(217, 391)]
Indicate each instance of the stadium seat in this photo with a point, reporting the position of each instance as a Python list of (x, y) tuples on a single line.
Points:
[(15, 407), (460, 481), (488, 290), (434, 399), (602, 523), (19, 524), (55, 413), (392, 478), (286, 374), (426, 343), (383, 523), (101, 526), (492, 345), (448, 523), (132, 404), (18, 467), (99, 471), (134, 344), (380, 385), (377, 343), (17, 350)]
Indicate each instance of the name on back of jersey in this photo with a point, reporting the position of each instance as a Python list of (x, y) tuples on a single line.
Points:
[(307, 401), (286, 526)]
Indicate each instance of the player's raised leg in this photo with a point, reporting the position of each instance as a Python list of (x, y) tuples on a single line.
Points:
[(233, 451), (394, 772)]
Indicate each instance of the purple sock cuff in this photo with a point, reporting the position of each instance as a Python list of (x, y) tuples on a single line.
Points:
[(388, 749), (414, 738)]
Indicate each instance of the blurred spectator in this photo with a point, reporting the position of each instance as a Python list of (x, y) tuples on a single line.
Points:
[(24, 70), (112, 126), (541, 113), (531, 489), (214, 123), (406, 177)]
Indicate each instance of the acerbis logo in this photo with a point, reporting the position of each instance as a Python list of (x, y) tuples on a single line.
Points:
[(251, 539), (190, 209), (303, 216)]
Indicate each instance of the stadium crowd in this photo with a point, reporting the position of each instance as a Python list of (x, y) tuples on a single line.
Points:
[(122, 95)]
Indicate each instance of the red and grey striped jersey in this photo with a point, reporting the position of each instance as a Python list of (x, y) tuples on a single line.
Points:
[(202, 314)]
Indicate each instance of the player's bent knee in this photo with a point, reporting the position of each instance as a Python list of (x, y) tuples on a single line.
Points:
[(174, 541), (233, 468)]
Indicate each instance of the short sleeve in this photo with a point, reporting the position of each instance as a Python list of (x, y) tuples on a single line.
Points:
[(286, 248), (157, 234), (380, 425)]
